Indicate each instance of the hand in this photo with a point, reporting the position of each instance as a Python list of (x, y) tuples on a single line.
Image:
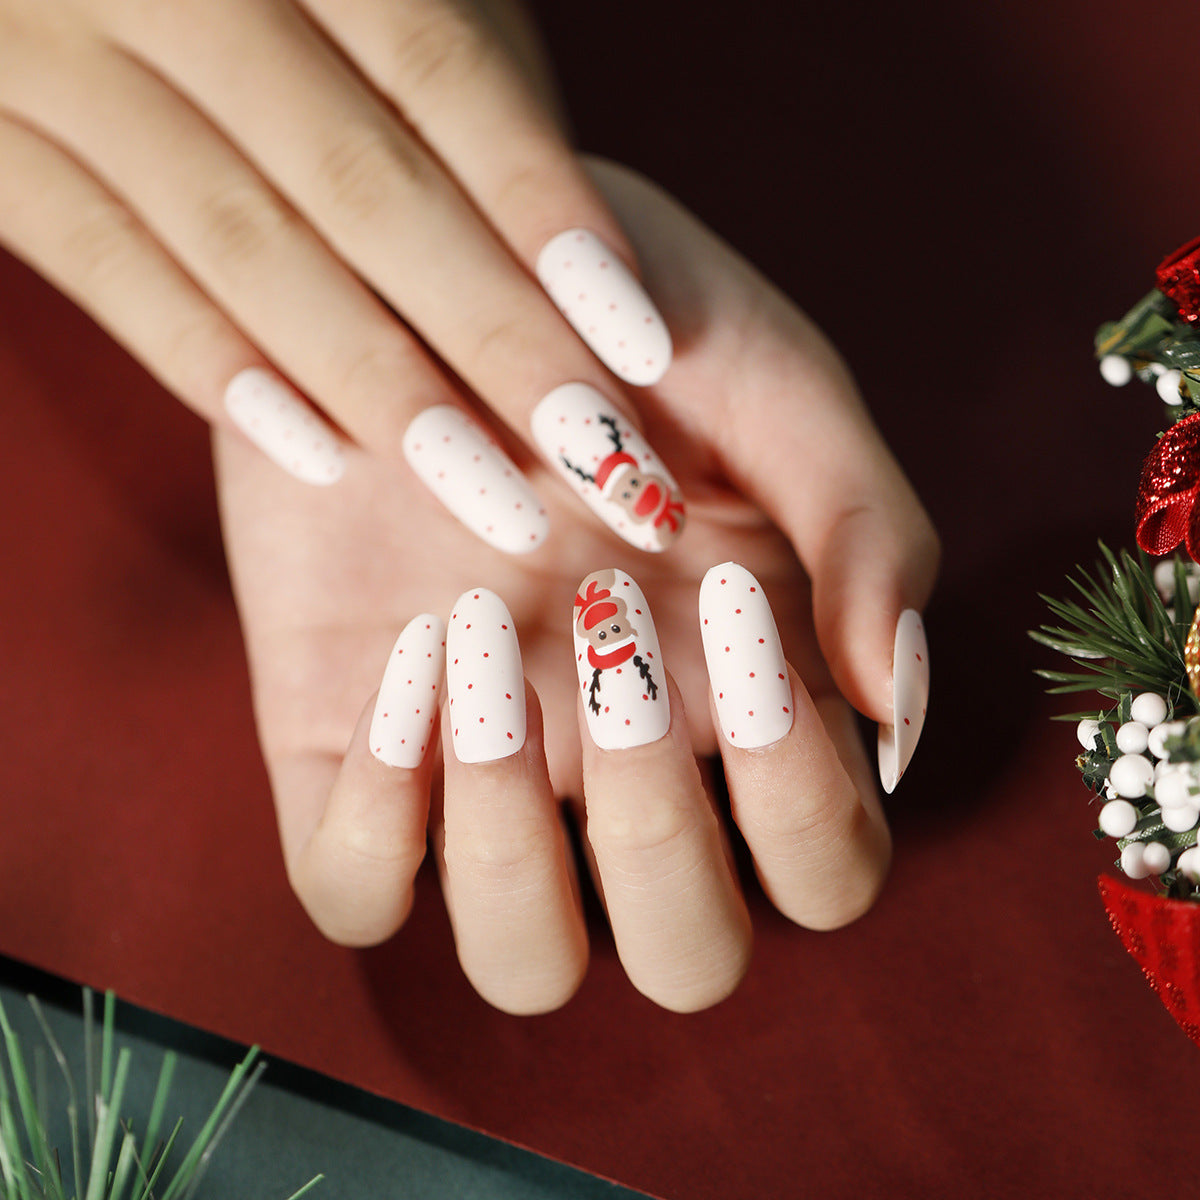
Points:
[(780, 459), (247, 192)]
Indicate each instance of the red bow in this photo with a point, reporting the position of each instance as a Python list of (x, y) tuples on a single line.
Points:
[(1168, 490)]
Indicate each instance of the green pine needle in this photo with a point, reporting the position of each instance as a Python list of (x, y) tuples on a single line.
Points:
[(1119, 634), (30, 1168)]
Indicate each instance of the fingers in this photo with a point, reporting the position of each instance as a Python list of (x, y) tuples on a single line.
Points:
[(517, 916), (352, 858), (799, 782), (677, 914)]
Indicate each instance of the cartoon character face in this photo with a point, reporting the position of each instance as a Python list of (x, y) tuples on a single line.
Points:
[(603, 618), (609, 632), (639, 494)]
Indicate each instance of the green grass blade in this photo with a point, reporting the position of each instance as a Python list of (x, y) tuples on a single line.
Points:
[(308, 1187), (89, 1068), (157, 1107), (35, 1129), (65, 1071), (126, 1165), (106, 1128), (222, 1129)]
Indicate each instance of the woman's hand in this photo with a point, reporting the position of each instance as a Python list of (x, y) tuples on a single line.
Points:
[(787, 477), (315, 220)]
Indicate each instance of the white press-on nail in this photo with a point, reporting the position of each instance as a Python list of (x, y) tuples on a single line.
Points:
[(610, 465), (461, 464), (484, 678), (619, 663), (286, 429), (402, 724), (910, 696), (746, 667), (606, 305)]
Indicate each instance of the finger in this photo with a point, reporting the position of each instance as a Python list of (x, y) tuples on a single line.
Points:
[(377, 197), (801, 444), (677, 915), (517, 917), (58, 218), (800, 789), (352, 858), (459, 88), (281, 284)]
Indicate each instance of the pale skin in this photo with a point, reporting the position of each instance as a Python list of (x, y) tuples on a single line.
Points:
[(252, 248)]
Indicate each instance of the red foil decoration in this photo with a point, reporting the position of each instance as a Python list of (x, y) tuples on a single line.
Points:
[(1163, 936), (1178, 276), (1167, 492)]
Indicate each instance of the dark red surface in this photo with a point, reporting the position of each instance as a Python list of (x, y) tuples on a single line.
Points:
[(959, 194)]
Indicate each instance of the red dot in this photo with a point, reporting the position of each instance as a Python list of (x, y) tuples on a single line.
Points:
[(751, 674), (782, 675), (503, 626), (470, 686), (918, 658), (606, 708), (751, 712), (387, 714), (626, 720), (720, 695), (508, 695), (754, 589), (760, 641), (645, 697), (486, 655), (618, 670), (706, 620), (726, 649), (510, 737), (403, 741), (481, 720), (737, 610), (907, 721), (476, 596), (722, 581), (785, 708)]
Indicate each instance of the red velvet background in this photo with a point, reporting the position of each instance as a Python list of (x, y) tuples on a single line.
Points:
[(958, 194)]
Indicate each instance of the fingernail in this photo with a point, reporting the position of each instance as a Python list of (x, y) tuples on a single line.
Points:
[(484, 678), (619, 663), (460, 463), (610, 465), (746, 667), (910, 695), (402, 724), (606, 305), (284, 427)]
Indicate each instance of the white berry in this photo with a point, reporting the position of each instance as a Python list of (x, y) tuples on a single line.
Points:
[(1189, 863), (1149, 708), (1116, 370), (1156, 858), (1168, 387), (1156, 742), (1118, 818), (1086, 732), (1164, 579), (1179, 820), (1133, 861), (1130, 775), (1133, 737), (1172, 788)]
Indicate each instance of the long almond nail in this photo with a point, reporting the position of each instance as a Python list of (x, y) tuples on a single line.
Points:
[(485, 679), (457, 460), (402, 725), (610, 465), (285, 428), (910, 696), (606, 306), (746, 667), (619, 663)]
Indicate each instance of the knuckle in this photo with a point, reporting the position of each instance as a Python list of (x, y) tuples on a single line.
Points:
[(99, 245), (238, 225), (439, 48), (368, 171), (654, 831), (488, 855)]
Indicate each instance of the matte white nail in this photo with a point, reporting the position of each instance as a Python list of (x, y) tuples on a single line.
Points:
[(610, 465), (462, 465), (606, 305), (402, 724), (619, 663), (910, 695), (484, 678), (284, 427), (746, 667)]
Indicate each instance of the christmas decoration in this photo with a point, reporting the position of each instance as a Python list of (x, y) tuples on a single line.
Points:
[(1132, 634)]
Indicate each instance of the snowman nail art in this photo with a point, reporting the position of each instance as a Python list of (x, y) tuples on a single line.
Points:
[(910, 696), (485, 679), (619, 663), (606, 305), (460, 463), (285, 428), (746, 667), (610, 465), (402, 724)]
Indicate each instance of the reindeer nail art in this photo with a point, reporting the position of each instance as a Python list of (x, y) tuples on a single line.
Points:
[(402, 724), (619, 663), (610, 465), (746, 667), (484, 678), (460, 463), (284, 427), (606, 305), (910, 696)]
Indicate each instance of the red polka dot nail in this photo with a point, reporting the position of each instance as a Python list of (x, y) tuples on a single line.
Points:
[(910, 696), (408, 696)]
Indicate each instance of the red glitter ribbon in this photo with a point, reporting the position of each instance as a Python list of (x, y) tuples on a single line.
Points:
[(1178, 276), (1163, 937), (1167, 492)]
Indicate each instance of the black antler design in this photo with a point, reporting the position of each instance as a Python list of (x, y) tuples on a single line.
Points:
[(614, 434), (593, 703), (644, 670)]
